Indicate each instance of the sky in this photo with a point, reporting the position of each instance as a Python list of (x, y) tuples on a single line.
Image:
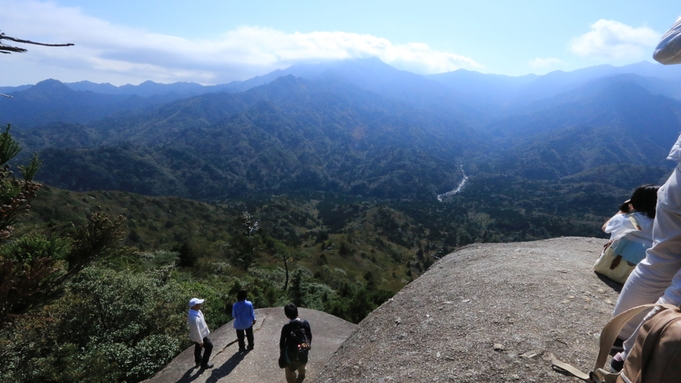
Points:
[(218, 41)]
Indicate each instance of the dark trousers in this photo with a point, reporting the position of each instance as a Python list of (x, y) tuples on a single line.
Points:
[(208, 346), (249, 336)]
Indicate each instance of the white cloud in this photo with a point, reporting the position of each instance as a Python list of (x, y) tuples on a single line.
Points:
[(103, 50), (544, 62), (612, 39), (264, 46)]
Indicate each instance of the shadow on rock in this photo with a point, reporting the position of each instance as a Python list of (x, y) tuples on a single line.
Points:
[(226, 367), (612, 284), (188, 377)]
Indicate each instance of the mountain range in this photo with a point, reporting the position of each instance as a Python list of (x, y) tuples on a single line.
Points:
[(358, 127)]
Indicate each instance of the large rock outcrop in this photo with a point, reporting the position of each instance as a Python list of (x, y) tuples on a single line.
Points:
[(485, 313)]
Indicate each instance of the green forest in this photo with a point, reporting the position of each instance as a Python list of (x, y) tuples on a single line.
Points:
[(95, 284)]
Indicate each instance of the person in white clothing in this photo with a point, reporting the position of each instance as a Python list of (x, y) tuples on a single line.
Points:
[(642, 206), (198, 333), (657, 279)]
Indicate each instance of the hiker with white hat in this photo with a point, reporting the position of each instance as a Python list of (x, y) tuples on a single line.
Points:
[(198, 333)]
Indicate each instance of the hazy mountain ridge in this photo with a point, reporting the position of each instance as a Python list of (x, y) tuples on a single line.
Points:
[(610, 121), (52, 101), (297, 134), (365, 128), (465, 89)]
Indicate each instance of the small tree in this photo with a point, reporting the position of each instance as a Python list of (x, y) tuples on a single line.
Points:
[(296, 290), (33, 267), (283, 252), (245, 245), (188, 256)]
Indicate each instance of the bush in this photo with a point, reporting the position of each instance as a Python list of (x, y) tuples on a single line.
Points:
[(110, 326)]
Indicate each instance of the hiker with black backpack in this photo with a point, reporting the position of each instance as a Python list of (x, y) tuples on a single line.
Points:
[(294, 345)]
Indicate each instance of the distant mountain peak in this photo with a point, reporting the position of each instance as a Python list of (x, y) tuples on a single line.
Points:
[(49, 88), (50, 82)]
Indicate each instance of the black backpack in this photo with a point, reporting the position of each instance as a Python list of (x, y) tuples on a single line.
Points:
[(299, 342)]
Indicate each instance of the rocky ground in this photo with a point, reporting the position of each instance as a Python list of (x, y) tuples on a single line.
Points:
[(485, 313)]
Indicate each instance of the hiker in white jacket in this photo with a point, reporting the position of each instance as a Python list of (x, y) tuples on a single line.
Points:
[(657, 279), (198, 333)]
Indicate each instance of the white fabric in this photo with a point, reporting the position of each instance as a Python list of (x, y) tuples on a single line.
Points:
[(675, 153), (620, 224), (198, 329), (668, 50)]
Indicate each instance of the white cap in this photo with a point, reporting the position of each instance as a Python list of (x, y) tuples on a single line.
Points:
[(195, 301)]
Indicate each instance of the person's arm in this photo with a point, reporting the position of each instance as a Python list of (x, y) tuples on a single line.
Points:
[(282, 339), (610, 222), (309, 330), (605, 225), (668, 50), (234, 311), (618, 222), (283, 360), (252, 313), (608, 226)]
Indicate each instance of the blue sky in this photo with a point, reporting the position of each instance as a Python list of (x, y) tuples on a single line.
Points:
[(218, 41)]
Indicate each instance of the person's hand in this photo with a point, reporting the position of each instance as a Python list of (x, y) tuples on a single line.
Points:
[(254, 321), (201, 344), (282, 362)]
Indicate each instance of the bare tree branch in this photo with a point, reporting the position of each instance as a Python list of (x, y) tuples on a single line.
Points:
[(7, 49)]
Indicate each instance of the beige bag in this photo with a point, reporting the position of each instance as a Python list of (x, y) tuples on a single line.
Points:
[(656, 354), (654, 357), (613, 263)]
